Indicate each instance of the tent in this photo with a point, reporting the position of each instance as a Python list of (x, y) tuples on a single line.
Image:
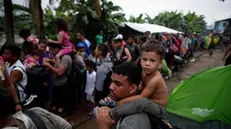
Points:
[(153, 28), (202, 101)]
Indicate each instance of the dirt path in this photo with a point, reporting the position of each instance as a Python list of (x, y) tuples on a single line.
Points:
[(203, 61)]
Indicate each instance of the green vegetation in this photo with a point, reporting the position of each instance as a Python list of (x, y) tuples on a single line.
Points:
[(90, 17)]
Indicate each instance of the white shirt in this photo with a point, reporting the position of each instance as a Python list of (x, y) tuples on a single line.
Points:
[(90, 83), (87, 42), (19, 66)]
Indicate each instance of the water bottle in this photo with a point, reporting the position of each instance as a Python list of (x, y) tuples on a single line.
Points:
[(94, 111)]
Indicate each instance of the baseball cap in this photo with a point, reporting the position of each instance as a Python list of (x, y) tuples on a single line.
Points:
[(119, 36), (80, 45)]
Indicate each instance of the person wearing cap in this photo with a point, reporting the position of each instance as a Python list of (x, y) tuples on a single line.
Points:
[(120, 53), (120, 36), (81, 50), (82, 40)]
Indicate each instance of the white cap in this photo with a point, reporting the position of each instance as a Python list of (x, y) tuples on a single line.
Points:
[(119, 36)]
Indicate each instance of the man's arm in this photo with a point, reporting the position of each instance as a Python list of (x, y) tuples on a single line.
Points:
[(128, 54), (15, 75), (146, 93), (62, 67), (9, 84), (58, 71), (139, 52)]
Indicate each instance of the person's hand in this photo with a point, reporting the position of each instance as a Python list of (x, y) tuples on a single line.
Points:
[(46, 59), (46, 64), (18, 107), (49, 41), (103, 118)]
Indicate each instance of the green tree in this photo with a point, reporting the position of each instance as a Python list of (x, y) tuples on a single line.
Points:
[(194, 23), (138, 19), (110, 19), (85, 18), (23, 18), (176, 20), (171, 19)]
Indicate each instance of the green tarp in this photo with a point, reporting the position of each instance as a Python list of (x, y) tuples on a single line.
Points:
[(203, 97)]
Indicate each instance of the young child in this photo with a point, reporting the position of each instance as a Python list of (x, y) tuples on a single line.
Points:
[(63, 39), (32, 60), (25, 34), (152, 83), (46, 56), (81, 50), (90, 84)]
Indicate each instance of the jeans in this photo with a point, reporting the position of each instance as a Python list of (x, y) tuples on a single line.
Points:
[(137, 106)]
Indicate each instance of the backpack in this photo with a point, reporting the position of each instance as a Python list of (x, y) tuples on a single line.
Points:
[(36, 76), (134, 51), (121, 60), (106, 84), (75, 75)]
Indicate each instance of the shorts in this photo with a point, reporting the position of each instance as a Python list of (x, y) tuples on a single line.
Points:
[(90, 98), (66, 51)]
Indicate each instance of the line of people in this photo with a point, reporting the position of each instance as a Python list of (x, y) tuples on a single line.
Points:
[(120, 74)]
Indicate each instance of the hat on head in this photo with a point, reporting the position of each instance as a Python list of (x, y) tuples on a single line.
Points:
[(119, 36), (80, 45)]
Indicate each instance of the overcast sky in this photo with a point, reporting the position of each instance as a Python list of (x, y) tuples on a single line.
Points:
[(212, 9)]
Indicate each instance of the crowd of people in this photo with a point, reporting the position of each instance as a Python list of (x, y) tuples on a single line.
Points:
[(124, 77)]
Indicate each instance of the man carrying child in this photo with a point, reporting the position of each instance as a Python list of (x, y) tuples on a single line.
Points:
[(152, 87)]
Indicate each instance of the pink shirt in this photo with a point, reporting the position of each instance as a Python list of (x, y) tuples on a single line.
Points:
[(28, 61), (66, 40)]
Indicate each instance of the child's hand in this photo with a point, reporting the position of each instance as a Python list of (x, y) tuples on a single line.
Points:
[(49, 41), (140, 88), (46, 64), (46, 59)]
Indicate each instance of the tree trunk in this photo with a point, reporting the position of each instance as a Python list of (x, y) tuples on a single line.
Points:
[(9, 21), (97, 7), (37, 15)]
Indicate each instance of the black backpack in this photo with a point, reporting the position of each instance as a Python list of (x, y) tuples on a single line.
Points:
[(36, 76), (75, 75), (106, 91), (106, 84), (121, 60)]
